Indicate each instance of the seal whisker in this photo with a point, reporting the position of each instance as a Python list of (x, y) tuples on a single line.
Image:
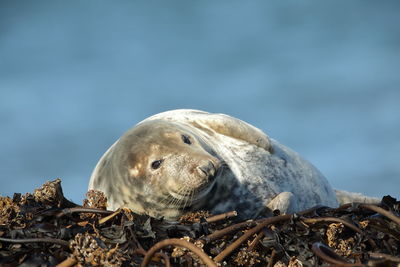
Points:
[(184, 200), (169, 201), (174, 202), (181, 202), (165, 201)]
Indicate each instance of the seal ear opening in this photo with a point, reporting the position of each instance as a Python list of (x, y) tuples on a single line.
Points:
[(186, 139)]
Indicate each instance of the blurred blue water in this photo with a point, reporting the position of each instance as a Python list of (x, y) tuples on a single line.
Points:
[(320, 77)]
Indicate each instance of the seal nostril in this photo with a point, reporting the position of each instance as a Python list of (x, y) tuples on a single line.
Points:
[(211, 164), (203, 171), (212, 170), (207, 169)]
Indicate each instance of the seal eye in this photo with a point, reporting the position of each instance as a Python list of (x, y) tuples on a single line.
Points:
[(186, 139), (156, 164)]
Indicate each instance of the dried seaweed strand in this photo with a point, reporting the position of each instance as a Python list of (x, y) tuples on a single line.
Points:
[(384, 256), (222, 216), (109, 217), (181, 243), (219, 233), (226, 252), (81, 210), (272, 260), (332, 219), (384, 212), (156, 257), (325, 253), (255, 241)]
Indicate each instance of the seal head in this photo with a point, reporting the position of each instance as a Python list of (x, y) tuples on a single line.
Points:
[(159, 168)]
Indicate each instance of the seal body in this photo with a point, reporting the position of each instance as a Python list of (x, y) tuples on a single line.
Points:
[(185, 160)]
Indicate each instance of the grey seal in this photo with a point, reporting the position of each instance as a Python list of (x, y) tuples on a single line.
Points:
[(186, 160)]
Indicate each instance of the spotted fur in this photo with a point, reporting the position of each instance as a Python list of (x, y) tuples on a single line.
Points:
[(253, 172)]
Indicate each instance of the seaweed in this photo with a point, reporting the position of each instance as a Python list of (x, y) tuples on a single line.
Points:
[(45, 229)]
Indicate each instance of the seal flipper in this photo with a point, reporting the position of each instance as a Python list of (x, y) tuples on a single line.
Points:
[(345, 197), (285, 202)]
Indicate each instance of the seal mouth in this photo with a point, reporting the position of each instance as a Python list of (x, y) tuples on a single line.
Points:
[(193, 194)]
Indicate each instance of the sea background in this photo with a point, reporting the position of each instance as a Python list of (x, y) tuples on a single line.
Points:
[(322, 77)]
